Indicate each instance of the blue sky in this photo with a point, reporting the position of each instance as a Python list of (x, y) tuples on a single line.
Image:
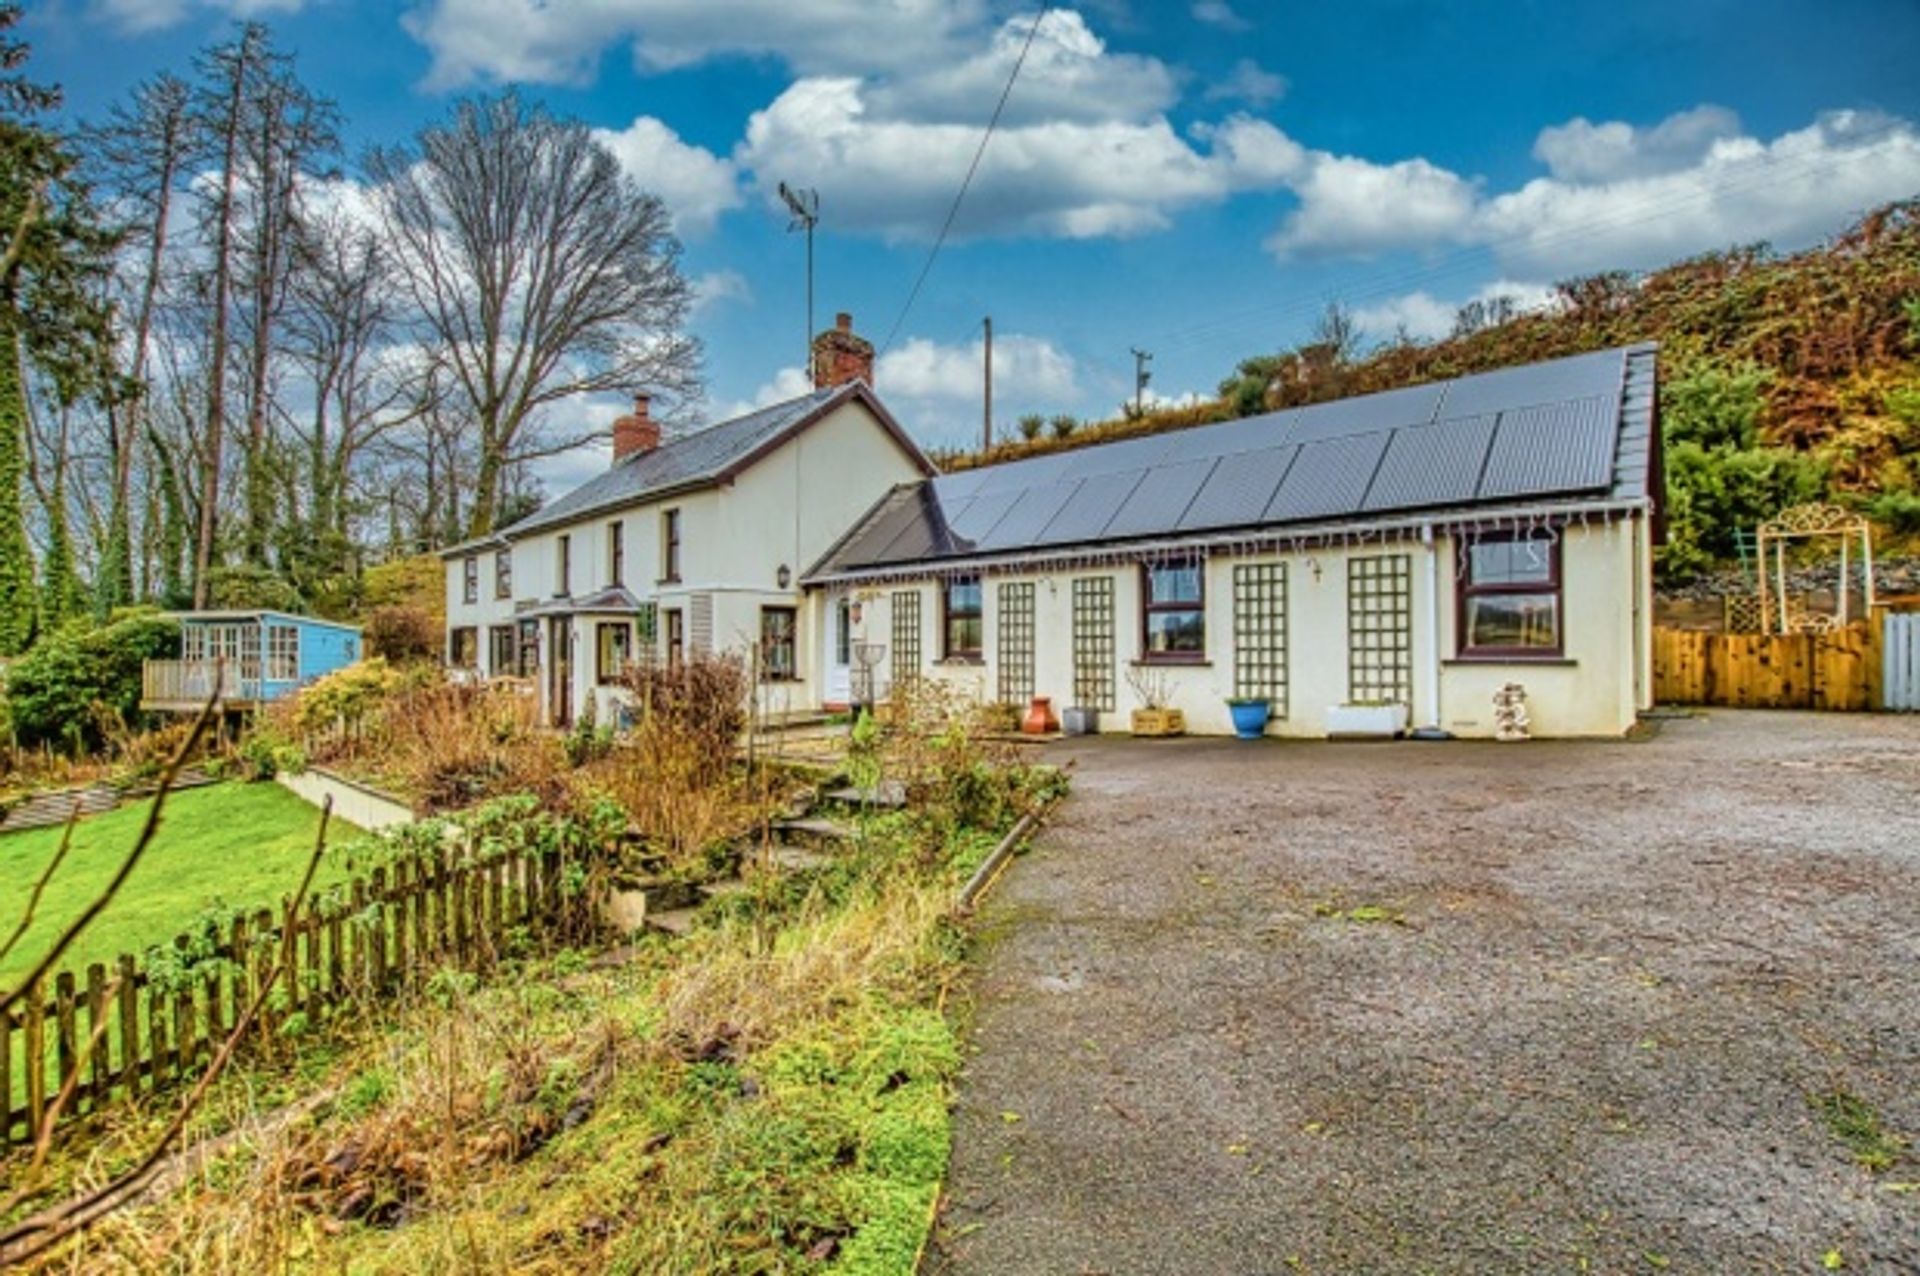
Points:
[(1196, 177)]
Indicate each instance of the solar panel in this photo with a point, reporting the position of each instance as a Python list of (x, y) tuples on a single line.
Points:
[(1088, 511), (1431, 465), (1245, 435), (1556, 447), (1328, 478), (1033, 511), (1117, 458), (1162, 497), (1557, 380), (1414, 405), (1238, 490), (1023, 475), (978, 518), (1558, 427)]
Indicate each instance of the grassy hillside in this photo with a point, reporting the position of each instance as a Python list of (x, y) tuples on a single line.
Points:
[(1785, 377)]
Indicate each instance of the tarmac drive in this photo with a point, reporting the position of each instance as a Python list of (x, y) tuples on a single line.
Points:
[(1548, 1007)]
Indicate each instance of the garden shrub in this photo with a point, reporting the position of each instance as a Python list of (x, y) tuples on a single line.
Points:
[(79, 682), (402, 633)]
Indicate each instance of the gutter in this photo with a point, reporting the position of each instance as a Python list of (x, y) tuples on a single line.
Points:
[(1254, 541)]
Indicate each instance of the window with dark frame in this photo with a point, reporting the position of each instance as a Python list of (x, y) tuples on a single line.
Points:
[(616, 554), (670, 545), (503, 573), (1260, 634), (1173, 613), (961, 624), (906, 635), (564, 585), (1013, 641), (1380, 629), (463, 647), (613, 648), (470, 579), (1509, 601), (676, 637), (502, 653), (1093, 643), (529, 648), (778, 656)]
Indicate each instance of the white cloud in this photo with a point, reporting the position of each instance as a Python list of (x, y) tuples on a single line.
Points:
[(1425, 317), (135, 17), (1582, 151), (1069, 74), (1078, 179), (935, 387), (717, 287), (1617, 197), (1218, 13), (1351, 205), (1250, 83), (695, 184), (534, 41)]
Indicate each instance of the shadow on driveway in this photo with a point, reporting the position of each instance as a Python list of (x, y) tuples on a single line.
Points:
[(1452, 1008)]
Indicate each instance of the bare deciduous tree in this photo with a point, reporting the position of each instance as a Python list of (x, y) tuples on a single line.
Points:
[(540, 271)]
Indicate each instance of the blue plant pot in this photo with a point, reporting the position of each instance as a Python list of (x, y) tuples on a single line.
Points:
[(1249, 718)]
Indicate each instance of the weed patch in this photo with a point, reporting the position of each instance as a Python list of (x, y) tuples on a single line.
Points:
[(1854, 1122)]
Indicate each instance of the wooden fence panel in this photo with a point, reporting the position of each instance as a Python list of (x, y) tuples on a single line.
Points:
[(1835, 671), (392, 931)]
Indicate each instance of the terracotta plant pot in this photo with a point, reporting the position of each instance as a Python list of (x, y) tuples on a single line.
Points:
[(1040, 719)]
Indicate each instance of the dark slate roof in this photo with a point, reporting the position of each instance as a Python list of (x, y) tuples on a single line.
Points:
[(612, 599), (1579, 428), (694, 460)]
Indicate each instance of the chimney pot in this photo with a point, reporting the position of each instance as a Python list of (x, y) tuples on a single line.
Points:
[(841, 355), (638, 432)]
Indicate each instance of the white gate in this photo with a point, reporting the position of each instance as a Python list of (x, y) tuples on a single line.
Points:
[(1900, 661)]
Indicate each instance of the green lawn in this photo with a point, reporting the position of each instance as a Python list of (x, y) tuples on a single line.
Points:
[(237, 844)]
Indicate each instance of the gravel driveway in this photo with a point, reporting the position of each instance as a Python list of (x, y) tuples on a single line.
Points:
[(1554, 1007)]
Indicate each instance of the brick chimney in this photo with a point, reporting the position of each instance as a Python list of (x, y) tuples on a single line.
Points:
[(839, 356), (636, 433)]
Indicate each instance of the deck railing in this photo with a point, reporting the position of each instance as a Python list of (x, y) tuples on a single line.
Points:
[(193, 681)]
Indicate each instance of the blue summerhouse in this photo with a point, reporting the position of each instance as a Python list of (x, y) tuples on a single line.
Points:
[(253, 657)]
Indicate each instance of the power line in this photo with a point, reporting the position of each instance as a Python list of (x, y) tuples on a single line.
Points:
[(960, 195)]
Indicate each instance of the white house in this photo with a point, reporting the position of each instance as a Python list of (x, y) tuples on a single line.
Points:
[(691, 544), (1422, 548)]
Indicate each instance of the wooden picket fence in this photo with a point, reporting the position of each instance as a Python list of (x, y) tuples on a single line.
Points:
[(127, 1028), (1832, 671)]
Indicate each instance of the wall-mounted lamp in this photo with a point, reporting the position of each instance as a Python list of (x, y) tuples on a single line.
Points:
[(783, 577), (1313, 565)]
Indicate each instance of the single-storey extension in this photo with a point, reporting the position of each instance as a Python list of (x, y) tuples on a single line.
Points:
[(1420, 548)]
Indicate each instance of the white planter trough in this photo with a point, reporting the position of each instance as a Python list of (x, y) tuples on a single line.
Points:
[(1366, 721)]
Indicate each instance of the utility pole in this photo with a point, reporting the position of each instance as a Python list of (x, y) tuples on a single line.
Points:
[(1141, 358), (986, 415), (805, 207)]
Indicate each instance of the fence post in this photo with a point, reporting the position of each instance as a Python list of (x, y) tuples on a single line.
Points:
[(98, 1072), (6, 1077), (129, 1025), (35, 1056), (69, 1060)]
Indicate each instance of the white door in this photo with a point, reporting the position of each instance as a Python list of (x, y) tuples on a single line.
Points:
[(839, 687)]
